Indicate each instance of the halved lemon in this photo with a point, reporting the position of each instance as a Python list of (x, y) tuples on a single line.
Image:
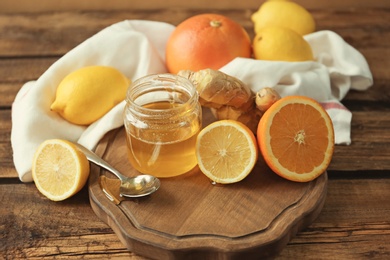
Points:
[(226, 151), (59, 169)]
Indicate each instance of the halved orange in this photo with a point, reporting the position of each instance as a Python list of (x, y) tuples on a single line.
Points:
[(296, 138), (226, 151)]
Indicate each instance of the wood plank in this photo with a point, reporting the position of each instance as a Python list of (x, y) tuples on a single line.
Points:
[(46, 35), (21, 70), (8, 91), (375, 98), (71, 5), (58, 32), (353, 224), (370, 143), (46, 229), (14, 73), (7, 168)]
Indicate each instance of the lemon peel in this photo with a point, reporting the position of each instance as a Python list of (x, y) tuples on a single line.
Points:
[(87, 94), (281, 44), (286, 14)]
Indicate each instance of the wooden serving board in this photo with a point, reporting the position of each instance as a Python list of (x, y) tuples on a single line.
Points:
[(189, 218)]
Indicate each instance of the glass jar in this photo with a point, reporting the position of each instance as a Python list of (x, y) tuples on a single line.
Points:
[(162, 118)]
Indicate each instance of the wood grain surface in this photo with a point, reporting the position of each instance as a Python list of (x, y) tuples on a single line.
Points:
[(102, 5), (354, 222)]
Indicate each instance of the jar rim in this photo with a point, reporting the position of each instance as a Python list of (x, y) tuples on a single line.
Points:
[(163, 81)]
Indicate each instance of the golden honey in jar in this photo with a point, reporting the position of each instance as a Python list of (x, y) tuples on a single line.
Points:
[(162, 118)]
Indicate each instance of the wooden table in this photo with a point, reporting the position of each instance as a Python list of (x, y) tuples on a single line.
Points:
[(355, 221)]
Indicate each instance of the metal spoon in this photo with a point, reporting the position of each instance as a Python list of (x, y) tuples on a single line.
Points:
[(138, 186)]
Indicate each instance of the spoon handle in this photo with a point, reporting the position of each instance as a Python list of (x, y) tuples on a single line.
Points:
[(94, 158)]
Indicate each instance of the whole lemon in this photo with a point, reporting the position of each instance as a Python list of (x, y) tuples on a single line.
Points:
[(86, 94), (286, 14), (281, 44)]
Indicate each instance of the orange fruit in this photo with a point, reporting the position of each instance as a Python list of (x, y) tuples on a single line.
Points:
[(226, 151), (206, 41), (296, 138)]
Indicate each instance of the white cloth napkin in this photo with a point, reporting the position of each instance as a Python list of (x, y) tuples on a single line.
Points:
[(137, 48), (337, 68)]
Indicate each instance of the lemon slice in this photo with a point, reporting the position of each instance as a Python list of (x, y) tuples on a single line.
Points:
[(226, 151), (59, 169)]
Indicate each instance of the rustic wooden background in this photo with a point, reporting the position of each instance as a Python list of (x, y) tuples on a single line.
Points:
[(71, 5), (354, 223)]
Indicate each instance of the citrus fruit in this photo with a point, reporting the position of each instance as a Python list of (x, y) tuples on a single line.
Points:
[(226, 151), (206, 41), (281, 44), (86, 94), (296, 138), (286, 14), (59, 169)]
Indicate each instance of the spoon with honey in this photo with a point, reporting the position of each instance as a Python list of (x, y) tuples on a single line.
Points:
[(133, 187)]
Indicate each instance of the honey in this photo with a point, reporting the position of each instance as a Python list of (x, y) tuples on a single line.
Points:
[(162, 120)]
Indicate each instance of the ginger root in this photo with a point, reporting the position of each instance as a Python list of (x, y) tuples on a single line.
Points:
[(229, 98), (217, 89), (265, 98)]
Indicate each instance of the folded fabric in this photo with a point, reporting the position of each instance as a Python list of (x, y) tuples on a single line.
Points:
[(337, 68), (137, 48)]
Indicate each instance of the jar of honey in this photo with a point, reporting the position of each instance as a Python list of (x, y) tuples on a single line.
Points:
[(162, 118)]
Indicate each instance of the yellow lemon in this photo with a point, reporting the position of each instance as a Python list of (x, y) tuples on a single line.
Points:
[(59, 169), (86, 94), (281, 44), (286, 14), (226, 151)]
